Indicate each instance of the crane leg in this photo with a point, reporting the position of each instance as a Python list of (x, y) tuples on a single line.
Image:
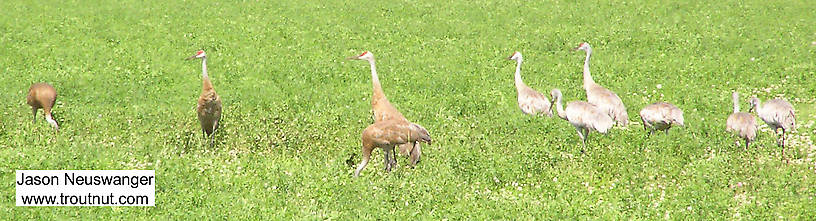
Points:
[(212, 136), (783, 144), (34, 110), (583, 138), (394, 159), (580, 133), (746, 144), (783, 138), (388, 160)]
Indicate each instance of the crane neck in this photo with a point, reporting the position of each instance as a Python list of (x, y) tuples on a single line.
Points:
[(517, 77), (560, 109), (205, 79), (375, 80), (204, 68), (735, 99), (587, 76)]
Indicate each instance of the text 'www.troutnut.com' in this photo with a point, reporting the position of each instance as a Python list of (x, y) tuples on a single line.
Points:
[(86, 188)]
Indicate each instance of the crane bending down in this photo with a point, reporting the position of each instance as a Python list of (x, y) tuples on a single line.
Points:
[(777, 113), (583, 116), (741, 123), (43, 95), (530, 101), (209, 104), (383, 110), (388, 134), (607, 101), (661, 116)]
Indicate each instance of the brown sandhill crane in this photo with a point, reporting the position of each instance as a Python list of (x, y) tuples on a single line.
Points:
[(777, 113), (741, 123), (383, 110), (530, 101), (42, 95), (607, 101), (661, 116), (388, 134), (583, 116), (209, 104)]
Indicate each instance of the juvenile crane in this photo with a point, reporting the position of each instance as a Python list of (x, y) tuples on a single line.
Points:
[(607, 101), (583, 116), (741, 123), (209, 104), (661, 116), (777, 113), (386, 135), (42, 95), (530, 101), (383, 110)]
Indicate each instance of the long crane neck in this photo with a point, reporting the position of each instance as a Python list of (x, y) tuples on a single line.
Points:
[(735, 99), (560, 109), (587, 76), (206, 84), (375, 80), (519, 82)]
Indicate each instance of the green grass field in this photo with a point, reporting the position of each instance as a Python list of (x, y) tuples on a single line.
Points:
[(294, 107)]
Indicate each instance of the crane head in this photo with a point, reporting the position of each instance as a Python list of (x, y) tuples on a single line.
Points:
[(422, 134), (515, 56), (366, 55), (754, 102), (556, 94), (583, 46), (199, 54)]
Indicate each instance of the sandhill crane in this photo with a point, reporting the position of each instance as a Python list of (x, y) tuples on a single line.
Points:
[(661, 116), (383, 110), (388, 134), (741, 123), (530, 101), (777, 113), (583, 116), (42, 95), (209, 104), (607, 101)]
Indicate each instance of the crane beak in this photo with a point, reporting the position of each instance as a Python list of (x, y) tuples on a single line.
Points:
[(510, 58), (576, 48), (353, 58), (190, 58)]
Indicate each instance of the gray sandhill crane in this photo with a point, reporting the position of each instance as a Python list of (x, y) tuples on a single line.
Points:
[(607, 101), (209, 104), (777, 113), (583, 116), (383, 110), (388, 134), (530, 101), (741, 123), (42, 95), (661, 116)]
